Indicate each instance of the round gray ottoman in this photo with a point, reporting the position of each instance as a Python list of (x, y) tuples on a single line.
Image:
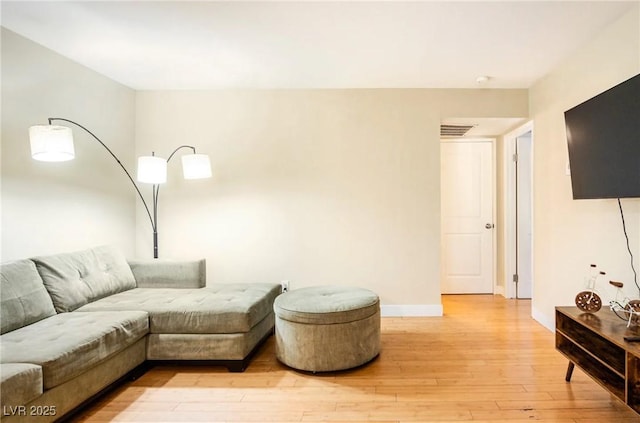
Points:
[(327, 328)]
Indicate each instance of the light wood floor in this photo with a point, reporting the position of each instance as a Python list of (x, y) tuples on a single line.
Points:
[(486, 360)]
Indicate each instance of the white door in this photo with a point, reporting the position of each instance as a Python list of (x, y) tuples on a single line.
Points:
[(523, 216), (467, 217)]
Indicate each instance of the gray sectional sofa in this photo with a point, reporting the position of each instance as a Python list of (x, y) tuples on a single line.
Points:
[(73, 324)]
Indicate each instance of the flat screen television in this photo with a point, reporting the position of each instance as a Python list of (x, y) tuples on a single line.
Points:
[(603, 136)]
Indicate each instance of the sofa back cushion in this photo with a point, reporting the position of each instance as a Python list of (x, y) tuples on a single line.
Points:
[(161, 273), (78, 278), (23, 297)]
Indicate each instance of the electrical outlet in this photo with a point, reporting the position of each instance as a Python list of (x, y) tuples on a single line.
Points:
[(285, 286)]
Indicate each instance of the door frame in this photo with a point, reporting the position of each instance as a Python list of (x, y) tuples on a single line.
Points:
[(510, 210), (494, 238)]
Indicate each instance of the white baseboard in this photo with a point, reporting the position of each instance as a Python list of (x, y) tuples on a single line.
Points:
[(411, 310), (543, 319)]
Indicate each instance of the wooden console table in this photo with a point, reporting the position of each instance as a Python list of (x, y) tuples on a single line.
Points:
[(594, 342)]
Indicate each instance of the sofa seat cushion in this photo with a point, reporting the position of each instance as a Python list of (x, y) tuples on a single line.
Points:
[(68, 344), (223, 308), (20, 384), (23, 297)]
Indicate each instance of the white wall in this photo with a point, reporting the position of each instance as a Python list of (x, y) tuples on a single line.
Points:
[(54, 207), (568, 234), (316, 187)]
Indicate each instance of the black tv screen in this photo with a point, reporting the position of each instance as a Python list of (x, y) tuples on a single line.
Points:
[(603, 135)]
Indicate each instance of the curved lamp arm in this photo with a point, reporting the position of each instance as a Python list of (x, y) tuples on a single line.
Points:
[(156, 187), (182, 146), (151, 220)]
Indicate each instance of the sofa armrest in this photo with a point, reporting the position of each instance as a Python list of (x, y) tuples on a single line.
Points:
[(156, 273)]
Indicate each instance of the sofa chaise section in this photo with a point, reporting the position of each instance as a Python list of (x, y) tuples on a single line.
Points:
[(221, 323)]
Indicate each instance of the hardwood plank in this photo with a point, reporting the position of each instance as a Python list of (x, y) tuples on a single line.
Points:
[(485, 361)]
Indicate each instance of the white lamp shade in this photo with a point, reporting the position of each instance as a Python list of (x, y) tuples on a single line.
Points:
[(196, 166), (152, 170), (51, 143)]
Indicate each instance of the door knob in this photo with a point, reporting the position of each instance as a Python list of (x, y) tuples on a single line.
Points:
[(489, 225)]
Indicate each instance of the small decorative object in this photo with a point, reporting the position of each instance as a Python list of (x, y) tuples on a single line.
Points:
[(626, 309), (589, 300)]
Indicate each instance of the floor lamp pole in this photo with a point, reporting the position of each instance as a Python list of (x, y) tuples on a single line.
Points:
[(156, 192)]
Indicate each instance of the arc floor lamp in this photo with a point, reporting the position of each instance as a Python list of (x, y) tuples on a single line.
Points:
[(54, 143)]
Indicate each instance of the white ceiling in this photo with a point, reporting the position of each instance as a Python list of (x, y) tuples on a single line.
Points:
[(392, 44)]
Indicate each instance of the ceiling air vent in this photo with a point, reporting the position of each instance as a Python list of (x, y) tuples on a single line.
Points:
[(454, 130)]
